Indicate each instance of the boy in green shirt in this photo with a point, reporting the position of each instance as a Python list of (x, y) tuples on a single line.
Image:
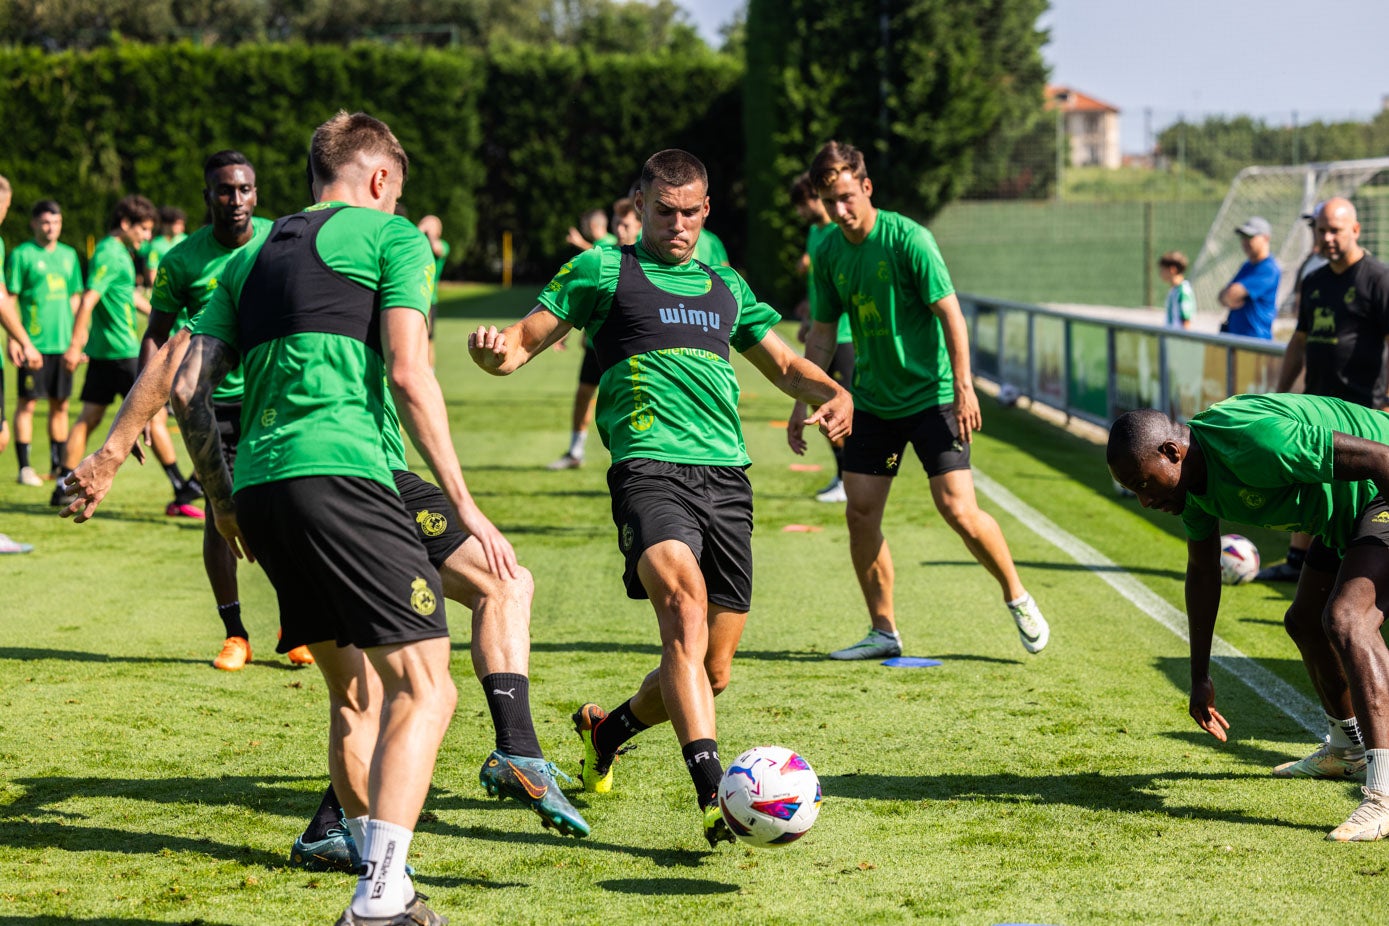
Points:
[(46, 279), (912, 384), (1289, 463)]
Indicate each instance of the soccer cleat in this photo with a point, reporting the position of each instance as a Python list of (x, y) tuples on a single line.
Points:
[(236, 652), (879, 644), (568, 461), (59, 498), (334, 852), (1033, 630), (177, 509), (1324, 763), (1283, 572), (595, 771), (416, 914), (532, 782), (300, 655), (1369, 822), (716, 827), (192, 490), (14, 546), (834, 492), (29, 477)]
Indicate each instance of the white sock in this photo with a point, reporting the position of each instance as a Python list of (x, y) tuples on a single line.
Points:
[(357, 826), (1344, 735), (1020, 602), (1377, 770), (379, 891), (576, 444), (889, 633)]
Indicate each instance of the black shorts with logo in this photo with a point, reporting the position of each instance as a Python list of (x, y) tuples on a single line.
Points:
[(51, 381), (107, 379), (435, 522), (708, 508), (876, 444), (1371, 530), (345, 560)]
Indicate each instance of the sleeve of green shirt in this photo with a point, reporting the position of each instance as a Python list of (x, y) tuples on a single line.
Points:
[(1187, 301), (12, 273), (75, 277), (582, 287), (163, 297), (928, 267), (218, 319), (755, 318), (1281, 451), (826, 306), (407, 267), (1198, 524), (99, 274)]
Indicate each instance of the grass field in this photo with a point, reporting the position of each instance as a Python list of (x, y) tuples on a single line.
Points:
[(138, 785)]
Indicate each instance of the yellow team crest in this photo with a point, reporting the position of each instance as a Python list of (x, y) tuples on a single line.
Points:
[(1381, 517), (267, 418), (1251, 499), (422, 597), (432, 522), (893, 459), (1350, 295), (625, 538)]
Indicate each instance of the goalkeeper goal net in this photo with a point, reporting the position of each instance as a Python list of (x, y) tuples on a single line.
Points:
[(1283, 195)]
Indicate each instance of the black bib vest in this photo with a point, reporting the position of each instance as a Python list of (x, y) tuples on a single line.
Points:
[(290, 290), (645, 318)]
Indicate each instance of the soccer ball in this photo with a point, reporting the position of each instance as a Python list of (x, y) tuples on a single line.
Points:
[(769, 796), (1239, 560)]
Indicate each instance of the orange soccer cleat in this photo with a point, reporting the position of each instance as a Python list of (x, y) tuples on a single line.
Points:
[(236, 652)]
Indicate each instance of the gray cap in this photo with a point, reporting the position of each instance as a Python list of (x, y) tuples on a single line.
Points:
[(1258, 225)]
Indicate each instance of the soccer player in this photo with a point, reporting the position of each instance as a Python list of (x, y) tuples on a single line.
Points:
[(106, 330), (324, 312), (912, 384), (591, 232), (1289, 462), (173, 225), (21, 349), (432, 227), (44, 277), (662, 324), (806, 201)]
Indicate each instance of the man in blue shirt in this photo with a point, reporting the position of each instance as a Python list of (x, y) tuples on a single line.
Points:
[(1252, 296)]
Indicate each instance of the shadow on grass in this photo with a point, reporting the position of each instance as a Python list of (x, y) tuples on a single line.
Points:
[(1086, 790), (1067, 567), (665, 887), (31, 654), (152, 516), (654, 650), (102, 920), (663, 857)]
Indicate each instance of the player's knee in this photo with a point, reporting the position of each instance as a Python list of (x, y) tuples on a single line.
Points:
[(1343, 622), (960, 513), (719, 676), (1300, 624)]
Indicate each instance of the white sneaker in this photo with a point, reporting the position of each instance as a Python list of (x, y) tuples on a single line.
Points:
[(1032, 626), (27, 477), (879, 644), (1324, 763), (568, 461), (834, 492), (1369, 822), (13, 546)]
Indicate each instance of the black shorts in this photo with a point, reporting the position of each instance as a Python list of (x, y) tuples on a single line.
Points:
[(1371, 530), (107, 379), (229, 430), (708, 508), (433, 306), (346, 563), (841, 368), (435, 522), (51, 381), (876, 444), (589, 371)]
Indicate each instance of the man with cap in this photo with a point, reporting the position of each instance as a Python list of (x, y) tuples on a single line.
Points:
[(1252, 296)]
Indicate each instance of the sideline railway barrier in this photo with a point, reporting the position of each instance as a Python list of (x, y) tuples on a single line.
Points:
[(1095, 367)]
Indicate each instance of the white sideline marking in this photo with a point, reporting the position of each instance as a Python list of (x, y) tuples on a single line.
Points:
[(1264, 683)]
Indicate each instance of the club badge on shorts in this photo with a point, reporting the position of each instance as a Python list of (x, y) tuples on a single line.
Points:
[(422, 598)]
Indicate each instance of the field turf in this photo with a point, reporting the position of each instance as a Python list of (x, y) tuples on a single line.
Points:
[(138, 785)]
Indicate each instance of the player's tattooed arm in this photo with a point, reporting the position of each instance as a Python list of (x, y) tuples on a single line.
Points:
[(208, 362)]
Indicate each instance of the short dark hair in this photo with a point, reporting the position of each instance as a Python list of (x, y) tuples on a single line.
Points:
[(802, 190), (45, 206), (1135, 431), (134, 209), (337, 142), (832, 160), (227, 157), (1174, 259), (168, 215), (672, 167), (624, 207)]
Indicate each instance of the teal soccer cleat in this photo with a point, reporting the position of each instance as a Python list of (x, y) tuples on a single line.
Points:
[(532, 782)]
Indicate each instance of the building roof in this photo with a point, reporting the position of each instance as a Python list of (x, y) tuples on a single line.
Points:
[(1070, 100)]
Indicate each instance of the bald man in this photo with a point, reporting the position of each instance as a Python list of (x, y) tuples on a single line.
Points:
[(1342, 326), (1288, 462)]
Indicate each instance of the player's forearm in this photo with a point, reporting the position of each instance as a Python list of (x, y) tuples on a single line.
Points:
[(1294, 356), (806, 382), (820, 344), (956, 333), (83, 320), (1202, 602), (1234, 296), (1355, 458), (206, 365), (149, 394), (9, 318)]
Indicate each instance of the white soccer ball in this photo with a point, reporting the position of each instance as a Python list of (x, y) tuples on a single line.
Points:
[(1008, 395), (1239, 560), (769, 796)]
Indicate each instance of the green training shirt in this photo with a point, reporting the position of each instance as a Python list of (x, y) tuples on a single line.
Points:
[(886, 286), (113, 331), (676, 404), (188, 276), (813, 236), (438, 270), (315, 400), (709, 249), (1268, 463), (158, 247), (44, 283)]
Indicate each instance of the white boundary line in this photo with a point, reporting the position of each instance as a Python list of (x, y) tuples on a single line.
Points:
[(1261, 681)]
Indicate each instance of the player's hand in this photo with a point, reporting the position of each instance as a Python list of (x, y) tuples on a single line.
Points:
[(31, 358), (1202, 709), (835, 417), (15, 351), (224, 515), (795, 429), (487, 347), (967, 416), (576, 239), (803, 331), (501, 558), (87, 485)]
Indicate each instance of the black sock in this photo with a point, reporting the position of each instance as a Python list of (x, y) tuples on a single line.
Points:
[(57, 455), (21, 450), (175, 477), (509, 700), (329, 815), (231, 619), (1296, 557), (838, 461), (619, 726), (702, 759)]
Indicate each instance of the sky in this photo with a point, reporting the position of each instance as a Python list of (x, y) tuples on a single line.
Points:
[(1264, 58)]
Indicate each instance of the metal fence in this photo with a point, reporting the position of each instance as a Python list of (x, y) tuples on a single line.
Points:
[(1096, 368)]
